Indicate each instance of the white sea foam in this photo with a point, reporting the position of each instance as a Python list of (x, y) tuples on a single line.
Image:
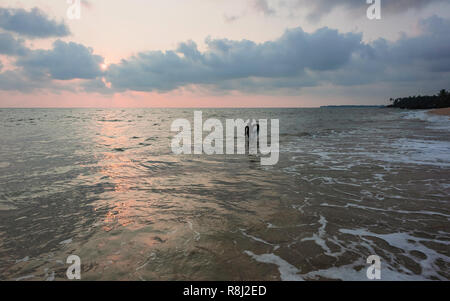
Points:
[(196, 234), (288, 272), (413, 151), (354, 272), (65, 242), (255, 238), (24, 277), (407, 243), (425, 151), (430, 150), (319, 238), (25, 259), (347, 272), (424, 212), (438, 122)]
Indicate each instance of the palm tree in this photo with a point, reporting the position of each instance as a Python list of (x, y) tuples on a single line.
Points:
[(443, 93)]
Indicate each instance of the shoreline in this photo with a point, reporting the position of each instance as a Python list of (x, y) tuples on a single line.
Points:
[(441, 112)]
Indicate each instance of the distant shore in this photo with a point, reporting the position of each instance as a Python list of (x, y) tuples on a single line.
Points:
[(442, 112)]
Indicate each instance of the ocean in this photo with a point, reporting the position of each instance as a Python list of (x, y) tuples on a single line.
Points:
[(104, 185)]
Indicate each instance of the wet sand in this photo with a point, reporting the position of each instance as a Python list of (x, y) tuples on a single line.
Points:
[(442, 112)]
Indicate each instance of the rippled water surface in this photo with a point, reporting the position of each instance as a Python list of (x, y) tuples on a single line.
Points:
[(104, 185)]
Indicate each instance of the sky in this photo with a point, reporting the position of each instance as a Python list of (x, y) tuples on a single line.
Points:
[(220, 53)]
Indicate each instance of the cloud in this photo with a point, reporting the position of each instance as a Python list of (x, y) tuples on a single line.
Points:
[(65, 61), (13, 80), (258, 6), (297, 59), (19, 80), (96, 85), (435, 25), (10, 46), (293, 61), (417, 59), (230, 18), (53, 70), (288, 56), (262, 6), (319, 8), (32, 24)]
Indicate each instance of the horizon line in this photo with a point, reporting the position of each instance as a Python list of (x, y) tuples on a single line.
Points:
[(317, 107)]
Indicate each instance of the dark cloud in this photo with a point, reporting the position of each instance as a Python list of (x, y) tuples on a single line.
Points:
[(64, 62), (319, 8), (288, 56), (417, 59), (13, 80), (11, 46), (96, 85), (19, 80), (38, 69), (435, 25), (295, 60), (33, 24)]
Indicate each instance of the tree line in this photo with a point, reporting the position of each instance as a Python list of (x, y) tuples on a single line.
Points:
[(441, 100)]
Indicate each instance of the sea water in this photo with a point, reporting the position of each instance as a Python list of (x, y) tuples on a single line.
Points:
[(104, 185)]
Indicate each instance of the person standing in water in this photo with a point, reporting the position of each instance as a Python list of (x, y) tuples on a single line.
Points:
[(252, 137)]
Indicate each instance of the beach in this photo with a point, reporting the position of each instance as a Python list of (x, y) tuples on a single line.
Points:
[(442, 112)]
